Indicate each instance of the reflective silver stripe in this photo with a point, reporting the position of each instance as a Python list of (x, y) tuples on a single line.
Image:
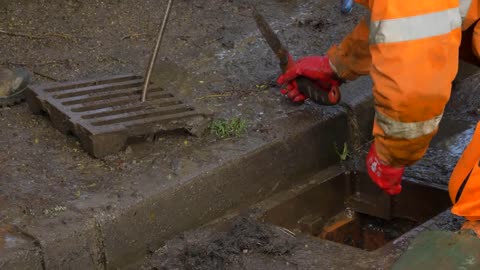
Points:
[(415, 27), (464, 7), (401, 130)]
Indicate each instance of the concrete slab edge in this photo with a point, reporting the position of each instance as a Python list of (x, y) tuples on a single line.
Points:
[(76, 240)]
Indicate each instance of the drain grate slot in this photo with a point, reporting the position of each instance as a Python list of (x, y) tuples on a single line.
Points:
[(106, 96), (144, 115), (104, 114), (99, 89), (135, 108), (118, 101), (67, 86)]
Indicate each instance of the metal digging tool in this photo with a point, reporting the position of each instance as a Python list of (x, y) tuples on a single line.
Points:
[(308, 87), (108, 113), (153, 59)]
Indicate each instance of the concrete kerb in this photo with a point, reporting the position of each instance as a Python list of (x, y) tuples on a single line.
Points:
[(113, 238), (147, 225), (235, 184)]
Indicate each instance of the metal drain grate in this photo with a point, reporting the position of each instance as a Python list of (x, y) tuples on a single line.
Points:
[(104, 114)]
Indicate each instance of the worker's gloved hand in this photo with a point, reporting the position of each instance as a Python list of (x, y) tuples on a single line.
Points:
[(386, 177), (316, 68)]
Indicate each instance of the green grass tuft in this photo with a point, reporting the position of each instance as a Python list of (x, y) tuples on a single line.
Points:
[(344, 154), (233, 127)]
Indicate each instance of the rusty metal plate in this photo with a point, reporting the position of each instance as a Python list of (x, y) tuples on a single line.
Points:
[(369, 199), (106, 113)]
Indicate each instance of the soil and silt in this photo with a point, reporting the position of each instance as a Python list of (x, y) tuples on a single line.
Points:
[(245, 243), (225, 250)]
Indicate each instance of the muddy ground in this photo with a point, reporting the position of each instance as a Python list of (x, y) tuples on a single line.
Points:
[(196, 250), (212, 56)]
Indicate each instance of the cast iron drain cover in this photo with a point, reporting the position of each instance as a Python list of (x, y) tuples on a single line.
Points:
[(105, 114)]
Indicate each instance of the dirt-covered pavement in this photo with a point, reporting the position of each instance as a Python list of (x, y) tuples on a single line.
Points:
[(212, 55)]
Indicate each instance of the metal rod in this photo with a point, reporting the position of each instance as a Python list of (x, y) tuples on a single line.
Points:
[(155, 51)]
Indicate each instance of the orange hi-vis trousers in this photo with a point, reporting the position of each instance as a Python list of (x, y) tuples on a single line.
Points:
[(464, 186), (411, 51)]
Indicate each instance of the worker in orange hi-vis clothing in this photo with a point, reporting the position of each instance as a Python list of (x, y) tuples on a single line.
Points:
[(411, 49)]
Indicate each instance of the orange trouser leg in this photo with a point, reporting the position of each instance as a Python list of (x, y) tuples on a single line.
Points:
[(464, 186)]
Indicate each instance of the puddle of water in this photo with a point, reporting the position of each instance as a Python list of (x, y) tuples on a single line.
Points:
[(9, 238)]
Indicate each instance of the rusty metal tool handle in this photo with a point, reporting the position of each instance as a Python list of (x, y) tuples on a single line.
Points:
[(155, 51)]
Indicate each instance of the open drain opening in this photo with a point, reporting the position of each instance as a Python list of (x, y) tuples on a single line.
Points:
[(349, 209), (363, 231)]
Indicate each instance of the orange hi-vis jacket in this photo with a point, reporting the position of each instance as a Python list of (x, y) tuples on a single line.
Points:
[(411, 50)]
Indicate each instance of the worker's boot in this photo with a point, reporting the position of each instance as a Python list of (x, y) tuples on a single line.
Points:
[(12, 86), (471, 228)]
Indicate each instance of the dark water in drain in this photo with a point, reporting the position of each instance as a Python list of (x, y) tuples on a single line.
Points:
[(367, 232)]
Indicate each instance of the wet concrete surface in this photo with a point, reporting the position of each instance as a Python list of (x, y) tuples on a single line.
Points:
[(214, 57), (218, 64), (444, 152)]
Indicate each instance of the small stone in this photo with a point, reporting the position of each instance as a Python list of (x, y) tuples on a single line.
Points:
[(245, 251), (128, 150)]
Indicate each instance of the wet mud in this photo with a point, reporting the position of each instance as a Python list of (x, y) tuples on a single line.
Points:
[(213, 56)]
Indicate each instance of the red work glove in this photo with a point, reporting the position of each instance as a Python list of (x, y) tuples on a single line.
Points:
[(386, 177), (316, 68)]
